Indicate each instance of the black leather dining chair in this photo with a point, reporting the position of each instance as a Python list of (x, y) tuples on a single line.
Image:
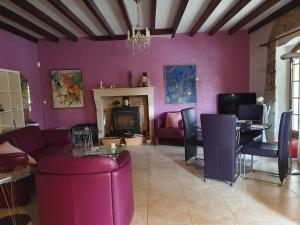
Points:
[(192, 135), (271, 150), (250, 112), (221, 151), (82, 126)]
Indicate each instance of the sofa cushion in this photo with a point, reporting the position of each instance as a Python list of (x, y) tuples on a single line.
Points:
[(174, 133), (51, 150), (173, 119), (28, 139), (7, 148)]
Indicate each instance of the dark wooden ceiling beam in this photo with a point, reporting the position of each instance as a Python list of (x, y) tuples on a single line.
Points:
[(179, 14), (283, 10), (60, 6), (111, 37), (28, 7), (153, 14), (99, 16), (207, 12), (162, 31), (124, 37), (26, 23), (251, 16), (125, 14), (232, 12), (18, 32)]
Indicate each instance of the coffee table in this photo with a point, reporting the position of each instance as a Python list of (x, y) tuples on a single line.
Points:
[(6, 185), (80, 151)]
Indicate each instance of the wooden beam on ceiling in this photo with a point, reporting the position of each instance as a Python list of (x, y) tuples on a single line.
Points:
[(251, 16), (26, 23), (109, 37), (125, 14), (28, 7), (153, 14), (180, 12), (207, 12), (162, 31), (232, 12), (283, 10), (124, 37), (18, 32), (99, 16), (60, 6)]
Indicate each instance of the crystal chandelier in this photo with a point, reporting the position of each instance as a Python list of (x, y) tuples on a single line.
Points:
[(139, 41)]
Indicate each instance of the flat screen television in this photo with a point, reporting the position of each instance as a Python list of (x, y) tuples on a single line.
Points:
[(228, 103)]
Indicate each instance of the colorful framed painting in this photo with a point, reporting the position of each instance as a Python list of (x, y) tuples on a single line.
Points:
[(67, 88), (180, 81)]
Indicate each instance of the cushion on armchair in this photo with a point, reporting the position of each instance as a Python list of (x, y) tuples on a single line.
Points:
[(173, 120)]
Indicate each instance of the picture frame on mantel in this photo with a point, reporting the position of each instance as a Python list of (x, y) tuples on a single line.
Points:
[(67, 88), (180, 81)]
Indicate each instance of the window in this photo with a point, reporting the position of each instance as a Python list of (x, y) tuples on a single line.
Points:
[(295, 93)]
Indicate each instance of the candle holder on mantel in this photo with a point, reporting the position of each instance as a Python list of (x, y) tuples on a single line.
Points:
[(101, 84), (126, 101)]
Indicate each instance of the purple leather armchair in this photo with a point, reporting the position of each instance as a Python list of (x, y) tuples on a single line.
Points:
[(85, 190), (166, 133), (37, 143)]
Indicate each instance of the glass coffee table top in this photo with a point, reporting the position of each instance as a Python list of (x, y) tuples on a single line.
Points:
[(80, 151)]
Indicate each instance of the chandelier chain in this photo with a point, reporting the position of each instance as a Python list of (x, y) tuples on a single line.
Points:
[(139, 15)]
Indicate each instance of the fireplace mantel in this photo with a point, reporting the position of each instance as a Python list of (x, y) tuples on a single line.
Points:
[(99, 95)]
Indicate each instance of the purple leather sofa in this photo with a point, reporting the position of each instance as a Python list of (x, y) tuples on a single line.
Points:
[(166, 133), (37, 143), (85, 190)]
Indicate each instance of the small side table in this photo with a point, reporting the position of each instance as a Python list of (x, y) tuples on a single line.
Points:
[(8, 178)]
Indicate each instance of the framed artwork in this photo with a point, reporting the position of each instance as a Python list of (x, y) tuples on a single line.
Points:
[(67, 88), (180, 83)]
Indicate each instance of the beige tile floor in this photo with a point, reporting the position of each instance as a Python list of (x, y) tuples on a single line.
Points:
[(169, 192)]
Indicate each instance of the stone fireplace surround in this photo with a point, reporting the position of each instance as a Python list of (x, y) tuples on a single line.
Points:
[(100, 94)]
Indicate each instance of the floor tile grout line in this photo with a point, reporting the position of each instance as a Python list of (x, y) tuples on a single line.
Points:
[(219, 194), (186, 204), (148, 184)]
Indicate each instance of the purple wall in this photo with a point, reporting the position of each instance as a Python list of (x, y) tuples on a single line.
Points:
[(222, 66), (19, 54)]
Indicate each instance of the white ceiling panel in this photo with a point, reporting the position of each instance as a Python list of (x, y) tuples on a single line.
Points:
[(145, 10), (165, 15), (241, 14), (267, 13), (57, 16), (24, 29), (29, 17), (166, 11), (113, 15), (192, 12), (217, 14), (84, 14)]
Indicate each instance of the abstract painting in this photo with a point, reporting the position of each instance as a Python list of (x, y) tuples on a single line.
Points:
[(180, 84), (67, 88)]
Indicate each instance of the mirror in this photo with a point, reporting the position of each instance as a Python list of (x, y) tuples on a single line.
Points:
[(26, 99)]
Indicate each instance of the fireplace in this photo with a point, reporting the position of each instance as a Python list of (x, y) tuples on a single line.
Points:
[(102, 93), (125, 120)]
